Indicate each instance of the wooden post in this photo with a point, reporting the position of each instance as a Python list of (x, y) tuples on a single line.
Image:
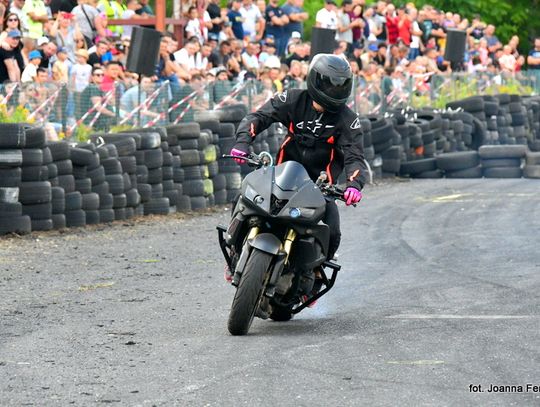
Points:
[(160, 15)]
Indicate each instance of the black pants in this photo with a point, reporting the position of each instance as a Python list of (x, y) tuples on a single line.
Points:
[(331, 218)]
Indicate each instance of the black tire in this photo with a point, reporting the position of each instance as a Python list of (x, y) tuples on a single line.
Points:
[(168, 185), (38, 211), (506, 151), (183, 203), (157, 206), (457, 161), (232, 113), (127, 182), (106, 201), (35, 192), (471, 104), (150, 140), (153, 158), (503, 172), (101, 189), (190, 157), (106, 215), (83, 157), (532, 158), (112, 150), (429, 174), (220, 182), (116, 183), (53, 170), (500, 162), (531, 171), (92, 217), (9, 210), (41, 225), (59, 221), (64, 167), (120, 214), (112, 166), (11, 158), (474, 172), (167, 159), (155, 176), (125, 146), (157, 191), (119, 201), (90, 202), (212, 125), (73, 201), (189, 144), (13, 135), (10, 177), (76, 218), (249, 292), (58, 200), (142, 174), (418, 166), (84, 185), (167, 173), (67, 182), (17, 224), (145, 191), (192, 172), (32, 157), (133, 198), (185, 130), (103, 153), (35, 137), (234, 180), (80, 171)]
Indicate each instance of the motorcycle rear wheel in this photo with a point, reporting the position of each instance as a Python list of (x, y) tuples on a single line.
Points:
[(249, 292)]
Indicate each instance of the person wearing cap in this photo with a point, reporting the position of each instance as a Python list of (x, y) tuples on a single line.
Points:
[(11, 59), (327, 17), (64, 30), (60, 67), (11, 22), (35, 15), (30, 71)]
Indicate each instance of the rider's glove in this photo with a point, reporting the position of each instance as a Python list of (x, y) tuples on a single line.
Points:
[(239, 153), (352, 196)]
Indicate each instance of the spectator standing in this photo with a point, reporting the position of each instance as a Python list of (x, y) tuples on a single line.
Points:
[(276, 20), (253, 24), (89, 21), (132, 6), (327, 17), (92, 96), (416, 35), (236, 20), (17, 8), (30, 71), (294, 9), (81, 72), (34, 16), (197, 25), (65, 30), (361, 28), (346, 24), (533, 62), (493, 42), (508, 61), (372, 26), (145, 9), (11, 60), (214, 11), (130, 100), (380, 20), (392, 29), (404, 26), (112, 9)]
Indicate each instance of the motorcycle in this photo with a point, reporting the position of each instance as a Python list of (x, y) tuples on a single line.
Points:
[(275, 244)]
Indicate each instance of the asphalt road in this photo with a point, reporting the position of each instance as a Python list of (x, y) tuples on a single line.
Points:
[(440, 290)]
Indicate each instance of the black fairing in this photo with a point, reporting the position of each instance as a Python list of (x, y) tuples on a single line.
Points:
[(274, 191)]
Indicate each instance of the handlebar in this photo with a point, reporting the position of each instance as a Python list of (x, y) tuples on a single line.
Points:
[(265, 159)]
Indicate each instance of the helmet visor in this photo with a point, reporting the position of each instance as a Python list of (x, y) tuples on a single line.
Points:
[(336, 87)]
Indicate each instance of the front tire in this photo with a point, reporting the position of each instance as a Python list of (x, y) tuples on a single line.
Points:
[(249, 292)]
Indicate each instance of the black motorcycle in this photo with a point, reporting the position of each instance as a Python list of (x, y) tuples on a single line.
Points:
[(276, 244)]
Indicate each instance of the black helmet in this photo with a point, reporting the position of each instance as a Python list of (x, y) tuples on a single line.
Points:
[(329, 81)]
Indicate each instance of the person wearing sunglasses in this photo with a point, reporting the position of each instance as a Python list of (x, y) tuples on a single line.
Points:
[(12, 22), (93, 95)]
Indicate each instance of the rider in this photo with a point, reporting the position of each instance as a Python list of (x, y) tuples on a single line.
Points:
[(323, 133)]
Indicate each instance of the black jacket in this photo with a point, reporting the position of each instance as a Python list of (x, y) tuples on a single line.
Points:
[(319, 141)]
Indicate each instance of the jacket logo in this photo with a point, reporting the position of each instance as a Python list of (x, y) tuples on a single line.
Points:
[(283, 96), (356, 124)]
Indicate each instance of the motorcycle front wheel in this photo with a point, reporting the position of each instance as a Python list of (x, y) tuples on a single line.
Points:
[(249, 292)]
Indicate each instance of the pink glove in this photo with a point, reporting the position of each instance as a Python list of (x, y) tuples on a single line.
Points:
[(352, 196), (238, 153)]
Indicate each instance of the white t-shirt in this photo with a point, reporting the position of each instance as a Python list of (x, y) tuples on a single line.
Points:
[(326, 19), (29, 73), (182, 57), (251, 61), (415, 39), (251, 16), (196, 28), (81, 76)]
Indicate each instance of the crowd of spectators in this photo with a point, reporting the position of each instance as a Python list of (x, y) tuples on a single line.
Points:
[(71, 43)]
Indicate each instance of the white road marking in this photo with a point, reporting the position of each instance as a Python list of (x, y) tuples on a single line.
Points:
[(450, 316)]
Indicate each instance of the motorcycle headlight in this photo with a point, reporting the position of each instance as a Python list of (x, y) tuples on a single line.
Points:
[(301, 212), (295, 213)]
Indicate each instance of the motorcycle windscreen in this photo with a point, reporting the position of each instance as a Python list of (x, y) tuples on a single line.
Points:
[(291, 176)]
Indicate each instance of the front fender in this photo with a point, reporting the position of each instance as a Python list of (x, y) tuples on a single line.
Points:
[(267, 243)]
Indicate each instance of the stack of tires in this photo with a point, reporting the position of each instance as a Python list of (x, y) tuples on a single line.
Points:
[(35, 190), (12, 140), (60, 152), (227, 166), (532, 106), (88, 172), (182, 202), (474, 105), (519, 120), (188, 135), (112, 166), (461, 164), (275, 135), (232, 114), (122, 147), (503, 161)]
